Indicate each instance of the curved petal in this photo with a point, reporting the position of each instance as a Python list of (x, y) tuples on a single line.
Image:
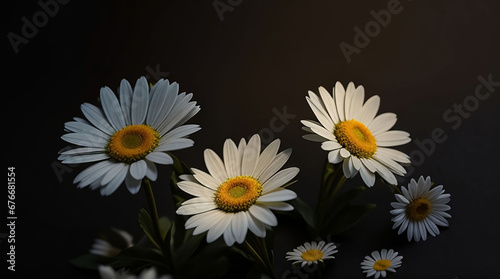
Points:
[(112, 108), (140, 101)]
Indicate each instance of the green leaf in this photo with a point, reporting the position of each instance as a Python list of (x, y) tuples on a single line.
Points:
[(147, 226), (348, 216), (137, 258), (90, 261), (344, 199), (303, 210)]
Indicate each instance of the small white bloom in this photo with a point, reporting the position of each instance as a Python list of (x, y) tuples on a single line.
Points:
[(420, 209), (112, 243), (381, 262), (107, 272), (313, 252)]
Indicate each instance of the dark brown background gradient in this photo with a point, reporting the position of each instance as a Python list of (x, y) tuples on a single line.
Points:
[(261, 58)]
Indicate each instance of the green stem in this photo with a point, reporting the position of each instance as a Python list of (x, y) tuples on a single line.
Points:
[(153, 210), (333, 179), (264, 262)]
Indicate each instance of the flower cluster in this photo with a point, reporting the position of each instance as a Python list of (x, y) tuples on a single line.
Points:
[(227, 212)]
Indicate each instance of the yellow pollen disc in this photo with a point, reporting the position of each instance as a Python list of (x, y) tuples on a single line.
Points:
[(312, 255), (418, 209), (238, 194), (132, 143), (356, 138), (382, 265)]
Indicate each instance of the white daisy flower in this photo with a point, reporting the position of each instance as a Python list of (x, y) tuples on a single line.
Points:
[(313, 252), (238, 192), (111, 243), (420, 209), (350, 132), (381, 262), (107, 272), (129, 135)]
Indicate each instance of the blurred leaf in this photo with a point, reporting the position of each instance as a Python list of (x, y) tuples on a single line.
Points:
[(348, 216), (137, 258), (303, 210), (345, 198), (90, 261), (209, 260)]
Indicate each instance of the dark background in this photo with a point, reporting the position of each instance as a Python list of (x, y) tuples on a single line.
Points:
[(257, 57)]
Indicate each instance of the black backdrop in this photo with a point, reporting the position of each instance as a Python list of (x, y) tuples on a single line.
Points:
[(248, 62)]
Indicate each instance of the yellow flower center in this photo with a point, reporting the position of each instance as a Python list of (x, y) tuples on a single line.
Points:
[(418, 209), (312, 255), (356, 138), (132, 143), (382, 265), (238, 194)]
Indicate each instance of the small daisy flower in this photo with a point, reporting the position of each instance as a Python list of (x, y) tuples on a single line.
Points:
[(111, 243), (420, 209), (127, 137), (238, 193), (353, 135), (107, 272), (313, 252), (381, 262)]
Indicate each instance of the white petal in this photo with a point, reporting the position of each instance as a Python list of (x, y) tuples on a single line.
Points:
[(278, 162), (382, 123), (263, 214), (195, 189), (215, 166), (321, 115), (97, 118), (344, 153), (334, 156), (255, 226), (339, 94), (138, 169), (91, 170), (79, 127), (161, 102), (357, 102), (160, 158), (349, 94), (280, 195), (239, 226), (232, 160), (140, 101), (251, 155), (330, 145), (219, 227), (86, 140), (369, 110), (281, 206), (78, 159), (329, 104), (392, 138), (112, 108), (195, 208), (152, 171), (126, 100), (115, 182), (279, 179), (174, 144), (133, 185), (266, 158), (205, 179), (367, 176)]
